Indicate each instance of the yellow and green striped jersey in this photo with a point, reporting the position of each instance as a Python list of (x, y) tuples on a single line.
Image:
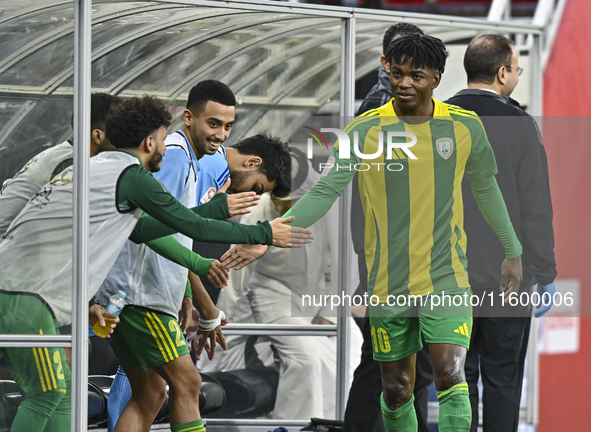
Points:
[(414, 238)]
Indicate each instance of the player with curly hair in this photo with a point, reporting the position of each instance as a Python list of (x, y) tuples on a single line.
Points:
[(40, 238), (194, 167)]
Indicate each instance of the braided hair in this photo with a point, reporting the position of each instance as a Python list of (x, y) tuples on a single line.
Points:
[(399, 29), (420, 50)]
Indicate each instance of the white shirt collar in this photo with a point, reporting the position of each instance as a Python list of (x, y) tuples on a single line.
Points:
[(489, 90)]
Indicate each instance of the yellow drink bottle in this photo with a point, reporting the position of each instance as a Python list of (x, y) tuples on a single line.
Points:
[(114, 307)]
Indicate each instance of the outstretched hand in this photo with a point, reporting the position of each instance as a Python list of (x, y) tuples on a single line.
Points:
[(218, 275), (239, 203), (287, 236), (242, 255)]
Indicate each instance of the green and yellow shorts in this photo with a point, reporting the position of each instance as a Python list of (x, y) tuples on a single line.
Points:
[(397, 337), (147, 339), (35, 370)]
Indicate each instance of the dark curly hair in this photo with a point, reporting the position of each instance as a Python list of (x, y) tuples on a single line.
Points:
[(133, 120), (276, 158), (399, 29), (420, 50)]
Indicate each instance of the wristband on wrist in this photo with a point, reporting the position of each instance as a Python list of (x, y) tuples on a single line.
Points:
[(211, 324)]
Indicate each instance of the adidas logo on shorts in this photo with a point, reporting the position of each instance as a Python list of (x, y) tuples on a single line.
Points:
[(463, 329)]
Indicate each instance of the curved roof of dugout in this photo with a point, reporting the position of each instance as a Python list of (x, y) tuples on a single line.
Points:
[(281, 59)]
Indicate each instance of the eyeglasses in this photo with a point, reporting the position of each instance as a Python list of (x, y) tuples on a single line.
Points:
[(519, 70)]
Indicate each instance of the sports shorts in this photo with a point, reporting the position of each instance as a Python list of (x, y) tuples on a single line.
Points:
[(35, 370), (396, 337), (147, 338)]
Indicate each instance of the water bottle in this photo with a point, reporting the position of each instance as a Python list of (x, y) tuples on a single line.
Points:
[(114, 307)]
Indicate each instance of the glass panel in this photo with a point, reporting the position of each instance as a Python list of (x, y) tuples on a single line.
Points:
[(125, 41), (251, 40), (23, 139), (35, 201), (24, 22), (36, 42)]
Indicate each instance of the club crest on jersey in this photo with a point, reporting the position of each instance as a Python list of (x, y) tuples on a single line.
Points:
[(445, 147), (208, 195)]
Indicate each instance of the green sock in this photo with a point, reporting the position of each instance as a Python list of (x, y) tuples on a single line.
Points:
[(455, 413), (402, 419), (194, 426)]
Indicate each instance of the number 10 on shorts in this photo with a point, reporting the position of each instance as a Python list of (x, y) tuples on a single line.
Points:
[(380, 339)]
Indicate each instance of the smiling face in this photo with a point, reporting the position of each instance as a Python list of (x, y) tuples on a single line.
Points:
[(209, 127), (412, 88)]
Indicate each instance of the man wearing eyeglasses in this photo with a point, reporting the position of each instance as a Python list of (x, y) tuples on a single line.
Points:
[(500, 334)]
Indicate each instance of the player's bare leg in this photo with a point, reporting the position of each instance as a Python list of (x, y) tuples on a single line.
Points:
[(448, 365), (398, 381), (184, 383), (448, 361), (148, 394)]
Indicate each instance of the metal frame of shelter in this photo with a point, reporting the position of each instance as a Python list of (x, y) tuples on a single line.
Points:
[(350, 19)]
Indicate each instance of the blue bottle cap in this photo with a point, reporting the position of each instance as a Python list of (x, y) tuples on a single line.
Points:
[(121, 294)]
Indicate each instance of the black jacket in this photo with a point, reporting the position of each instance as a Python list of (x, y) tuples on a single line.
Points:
[(523, 180), (379, 93)]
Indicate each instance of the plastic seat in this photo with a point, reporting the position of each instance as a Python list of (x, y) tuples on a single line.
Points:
[(249, 393)]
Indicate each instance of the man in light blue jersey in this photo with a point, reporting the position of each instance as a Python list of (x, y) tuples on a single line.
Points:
[(39, 238), (194, 166)]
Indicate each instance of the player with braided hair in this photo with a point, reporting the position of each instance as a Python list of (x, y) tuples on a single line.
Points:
[(421, 51), (414, 239)]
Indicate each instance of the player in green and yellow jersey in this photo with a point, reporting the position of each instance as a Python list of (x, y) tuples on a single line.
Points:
[(414, 238)]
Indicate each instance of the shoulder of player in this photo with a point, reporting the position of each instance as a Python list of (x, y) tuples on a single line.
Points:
[(64, 149), (457, 111), (174, 138), (468, 118), (112, 160), (135, 174), (176, 142), (221, 151), (213, 161), (48, 160), (366, 120), (176, 154)]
